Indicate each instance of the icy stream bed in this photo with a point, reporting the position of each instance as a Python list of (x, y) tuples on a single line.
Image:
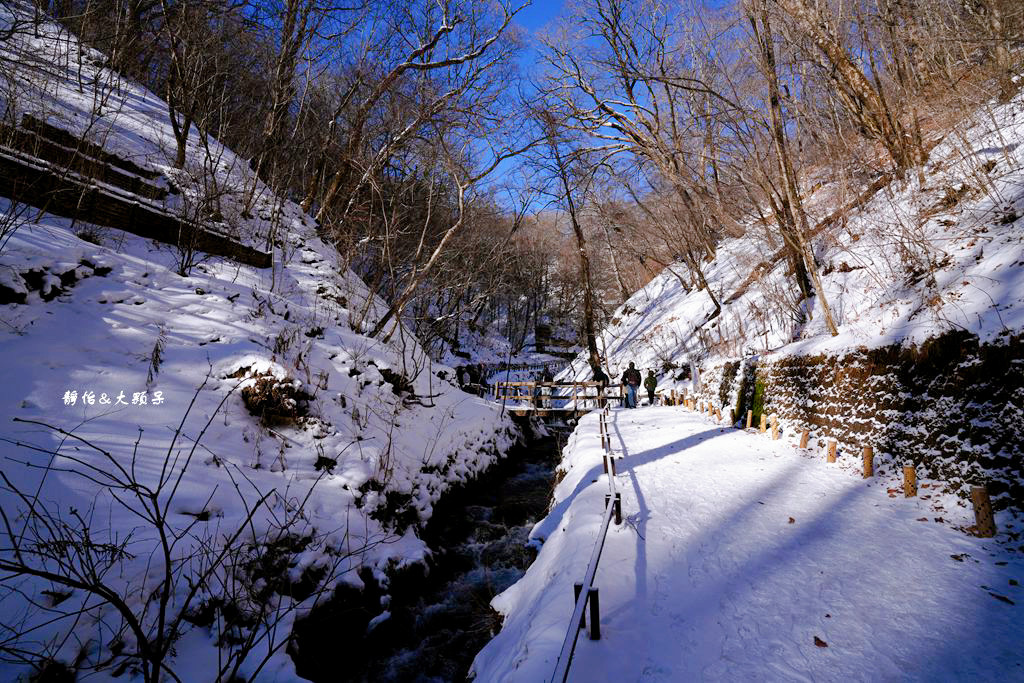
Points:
[(436, 621)]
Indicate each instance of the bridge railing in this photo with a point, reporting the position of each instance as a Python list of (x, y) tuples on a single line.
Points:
[(556, 395)]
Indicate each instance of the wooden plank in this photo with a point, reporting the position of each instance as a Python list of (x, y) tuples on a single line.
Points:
[(67, 195)]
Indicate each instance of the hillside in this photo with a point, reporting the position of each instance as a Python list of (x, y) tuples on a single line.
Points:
[(926, 283), (232, 410)]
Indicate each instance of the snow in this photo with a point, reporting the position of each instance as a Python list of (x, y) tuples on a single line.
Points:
[(737, 552), (214, 330), (900, 269)]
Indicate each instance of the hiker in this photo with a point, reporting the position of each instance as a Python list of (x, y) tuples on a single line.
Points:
[(602, 383), (631, 380), (650, 384), (481, 380), (547, 376)]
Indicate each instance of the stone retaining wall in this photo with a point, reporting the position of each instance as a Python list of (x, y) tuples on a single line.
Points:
[(951, 406)]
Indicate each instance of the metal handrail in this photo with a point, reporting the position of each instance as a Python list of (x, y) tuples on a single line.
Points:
[(573, 634), (613, 506)]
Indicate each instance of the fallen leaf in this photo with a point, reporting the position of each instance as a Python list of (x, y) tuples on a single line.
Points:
[(819, 642), (828, 616), (1013, 582), (960, 557), (939, 520), (1005, 599), (791, 520), (924, 486), (922, 519)]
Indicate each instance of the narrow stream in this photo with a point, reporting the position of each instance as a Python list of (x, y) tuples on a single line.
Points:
[(438, 622)]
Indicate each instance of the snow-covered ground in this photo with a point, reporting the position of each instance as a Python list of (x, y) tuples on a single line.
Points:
[(740, 558), (113, 345)]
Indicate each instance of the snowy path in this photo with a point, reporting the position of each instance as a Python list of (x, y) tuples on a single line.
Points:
[(738, 553)]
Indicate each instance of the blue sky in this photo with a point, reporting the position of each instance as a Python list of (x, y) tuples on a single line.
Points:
[(538, 13)]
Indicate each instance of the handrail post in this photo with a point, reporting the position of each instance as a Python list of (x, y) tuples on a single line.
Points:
[(577, 588), (595, 614)]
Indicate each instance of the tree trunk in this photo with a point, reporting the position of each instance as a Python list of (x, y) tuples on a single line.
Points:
[(581, 248), (862, 100), (802, 232)]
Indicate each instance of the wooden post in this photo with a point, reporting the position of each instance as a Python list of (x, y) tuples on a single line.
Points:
[(775, 427), (595, 614), (909, 481), (984, 522), (803, 438), (673, 397), (732, 416), (832, 451), (718, 414), (750, 418), (764, 422), (869, 462)]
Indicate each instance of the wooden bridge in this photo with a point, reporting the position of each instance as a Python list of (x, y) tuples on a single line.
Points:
[(569, 399)]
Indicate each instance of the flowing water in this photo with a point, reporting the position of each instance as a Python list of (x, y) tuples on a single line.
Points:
[(440, 619)]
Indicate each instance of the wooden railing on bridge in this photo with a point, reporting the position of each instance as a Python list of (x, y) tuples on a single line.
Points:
[(556, 397)]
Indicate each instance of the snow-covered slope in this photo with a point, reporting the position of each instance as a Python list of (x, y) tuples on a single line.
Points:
[(113, 346), (912, 262)]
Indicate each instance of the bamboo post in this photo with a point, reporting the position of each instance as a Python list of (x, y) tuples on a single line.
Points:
[(832, 451), (764, 422), (869, 462), (984, 522), (775, 427), (803, 438), (909, 481), (750, 418)]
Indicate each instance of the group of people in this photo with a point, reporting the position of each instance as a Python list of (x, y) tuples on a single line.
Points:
[(631, 381)]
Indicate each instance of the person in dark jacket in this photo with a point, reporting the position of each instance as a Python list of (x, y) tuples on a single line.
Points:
[(650, 384), (602, 380), (631, 379)]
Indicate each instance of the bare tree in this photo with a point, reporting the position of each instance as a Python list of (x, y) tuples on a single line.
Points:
[(800, 234)]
